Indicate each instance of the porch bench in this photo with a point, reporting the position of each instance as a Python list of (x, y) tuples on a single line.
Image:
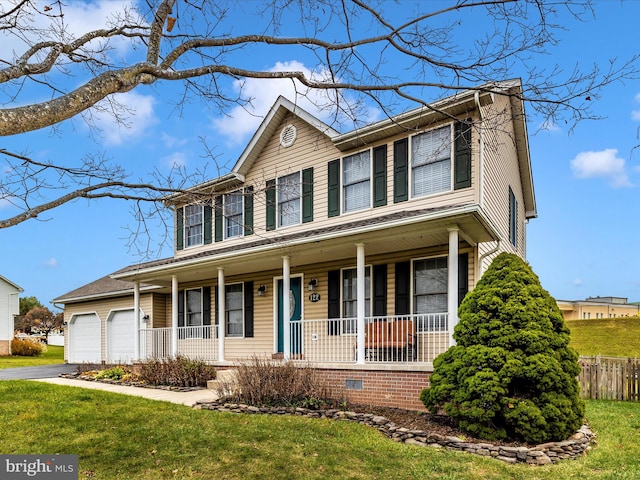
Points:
[(390, 341)]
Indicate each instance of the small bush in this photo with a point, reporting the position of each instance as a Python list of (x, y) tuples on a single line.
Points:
[(115, 373), (26, 347), (177, 372), (263, 382)]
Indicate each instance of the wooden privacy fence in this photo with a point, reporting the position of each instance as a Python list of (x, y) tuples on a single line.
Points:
[(610, 378)]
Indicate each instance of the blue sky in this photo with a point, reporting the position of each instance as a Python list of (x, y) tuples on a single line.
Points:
[(587, 181)]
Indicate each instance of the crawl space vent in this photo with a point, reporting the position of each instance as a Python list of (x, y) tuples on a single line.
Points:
[(288, 136)]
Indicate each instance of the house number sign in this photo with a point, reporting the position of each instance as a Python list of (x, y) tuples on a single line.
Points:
[(314, 297)]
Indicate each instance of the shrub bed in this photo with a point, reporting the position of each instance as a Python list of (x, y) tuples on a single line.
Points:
[(26, 347)]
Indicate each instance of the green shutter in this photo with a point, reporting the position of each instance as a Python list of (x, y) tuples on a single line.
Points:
[(248, 211), (218, 227), (403, 288), (462, 158), (248, 309), (334, 188), (401, 170), (307, 195), (179, 228), (206, 310), (380, 290), (180, 308), (463, 276), (380, 176), (208, 223), (271, 204), (333, 302)]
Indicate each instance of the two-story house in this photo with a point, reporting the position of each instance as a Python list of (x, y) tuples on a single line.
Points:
[(351, 251)]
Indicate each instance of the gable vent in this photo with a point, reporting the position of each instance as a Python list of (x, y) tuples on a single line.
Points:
[(288, 136)]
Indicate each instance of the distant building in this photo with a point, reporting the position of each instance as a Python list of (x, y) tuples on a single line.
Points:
[(598, 307), (9, 309)]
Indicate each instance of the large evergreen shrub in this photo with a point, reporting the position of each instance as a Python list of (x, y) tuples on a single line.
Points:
[(511, 373)]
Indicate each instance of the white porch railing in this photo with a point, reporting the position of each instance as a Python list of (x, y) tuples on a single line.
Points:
[(410, 339), (395, 339), (198, 343)]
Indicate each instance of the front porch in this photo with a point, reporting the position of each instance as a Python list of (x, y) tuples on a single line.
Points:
[(395, 340)]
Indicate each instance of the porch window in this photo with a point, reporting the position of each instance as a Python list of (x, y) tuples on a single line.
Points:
[(193, 312), (431, 162), (233, 221), (430, 284), (356, 181), (349, 298), (289, 199), (234, 314), (193, 220)]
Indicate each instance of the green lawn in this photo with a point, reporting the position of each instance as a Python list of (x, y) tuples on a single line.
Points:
[(120, 437), (51, 356), (615, 337)]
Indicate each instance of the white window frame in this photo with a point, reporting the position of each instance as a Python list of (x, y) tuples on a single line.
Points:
[(349, 322), (193, 239), (287, 196), (228, 310), (187, 313), (235, 229), (438, 323), (344, 185), (413, 168)]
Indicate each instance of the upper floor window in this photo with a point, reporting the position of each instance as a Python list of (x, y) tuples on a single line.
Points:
[(289, 200), (431, 162), (193, 220), (233, 217), (356, 181)]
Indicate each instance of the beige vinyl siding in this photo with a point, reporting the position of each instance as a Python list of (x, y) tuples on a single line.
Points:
[(501, 171), (313, 149)]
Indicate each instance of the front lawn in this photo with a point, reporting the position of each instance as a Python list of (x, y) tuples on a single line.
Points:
[(52, 356), (121, 437)]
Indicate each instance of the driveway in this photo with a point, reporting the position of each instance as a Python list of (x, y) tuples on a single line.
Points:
[(44, 371)]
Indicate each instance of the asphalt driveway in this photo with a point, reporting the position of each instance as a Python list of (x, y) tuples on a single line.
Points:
[(30, 373)]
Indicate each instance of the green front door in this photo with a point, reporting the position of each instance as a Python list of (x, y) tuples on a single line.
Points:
[(295, 310)]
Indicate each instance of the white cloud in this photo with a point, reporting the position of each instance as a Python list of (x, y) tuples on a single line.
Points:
[(242, 121), (604, 164), (51, 262), (550, 126), (175, 160), (635, 114), (577, 282), (171, 141), (135, 111)]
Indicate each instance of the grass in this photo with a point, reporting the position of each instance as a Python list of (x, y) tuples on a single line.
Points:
[(120, 437), (53, 355), (615, 337)]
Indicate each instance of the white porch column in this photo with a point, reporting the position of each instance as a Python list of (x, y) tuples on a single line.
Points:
[(452, 290), (360, 301), (286, 302), (222, 307), (136, 321), (174, 316)]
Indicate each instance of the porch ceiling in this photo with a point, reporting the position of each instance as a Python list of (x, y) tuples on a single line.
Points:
[(410, 231)]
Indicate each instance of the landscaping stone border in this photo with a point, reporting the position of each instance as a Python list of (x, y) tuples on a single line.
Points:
[(547, 453)]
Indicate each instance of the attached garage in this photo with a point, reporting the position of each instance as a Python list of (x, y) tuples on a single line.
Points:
[(85, 339), (120, 336)]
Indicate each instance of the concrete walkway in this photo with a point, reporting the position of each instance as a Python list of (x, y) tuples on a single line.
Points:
[(183, 398)]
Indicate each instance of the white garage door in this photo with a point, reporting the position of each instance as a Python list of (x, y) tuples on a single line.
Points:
[(84, 339), (120, 337)]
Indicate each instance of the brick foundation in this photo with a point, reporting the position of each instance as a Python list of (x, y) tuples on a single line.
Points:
[(5, 347), (394, 388)]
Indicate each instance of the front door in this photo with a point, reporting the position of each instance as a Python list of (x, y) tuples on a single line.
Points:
[(295, 310)]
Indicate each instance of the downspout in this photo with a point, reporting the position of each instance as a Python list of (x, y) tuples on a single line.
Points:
[(476, 97)]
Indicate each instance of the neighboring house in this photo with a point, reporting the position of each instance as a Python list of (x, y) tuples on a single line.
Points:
[(598, 307), (9, 309), (349, 250)]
